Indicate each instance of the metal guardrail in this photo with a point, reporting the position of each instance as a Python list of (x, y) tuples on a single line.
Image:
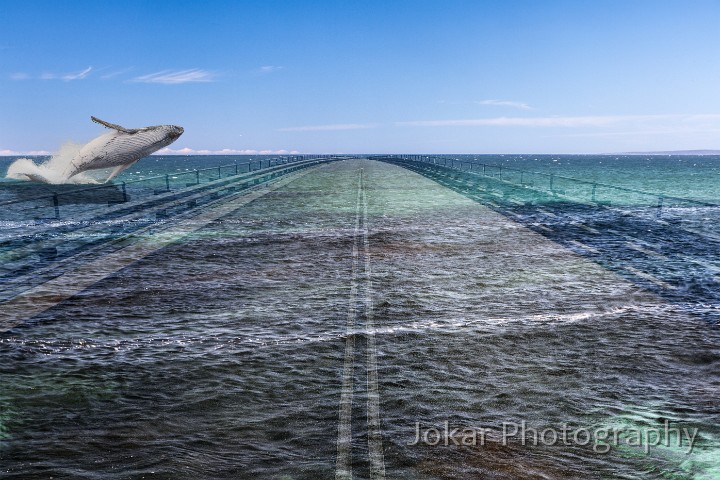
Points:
[(48, 206), (575, 189)]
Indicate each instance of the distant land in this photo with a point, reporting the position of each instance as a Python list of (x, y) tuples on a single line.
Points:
[(678, 152)]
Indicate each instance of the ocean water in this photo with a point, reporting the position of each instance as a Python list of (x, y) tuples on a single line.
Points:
[(691, 176), (326, 323)]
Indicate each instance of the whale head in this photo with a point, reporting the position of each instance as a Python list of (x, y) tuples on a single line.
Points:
[(151, 139), (170, 133)]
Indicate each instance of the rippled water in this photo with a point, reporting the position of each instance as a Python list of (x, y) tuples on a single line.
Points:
[(222, 356)]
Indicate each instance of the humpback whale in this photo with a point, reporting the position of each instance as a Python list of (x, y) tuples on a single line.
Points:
[(121, 148), (117, 149)]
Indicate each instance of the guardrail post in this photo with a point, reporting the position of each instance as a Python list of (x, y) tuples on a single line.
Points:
[(219, 173), (124, 190), (167, 182), (593, 191), (56, 204)]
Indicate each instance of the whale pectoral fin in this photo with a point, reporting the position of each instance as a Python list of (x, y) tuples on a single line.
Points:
[(118, 170), (113, 126)]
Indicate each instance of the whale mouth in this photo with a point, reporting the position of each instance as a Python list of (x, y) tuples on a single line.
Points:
[(176, 133)]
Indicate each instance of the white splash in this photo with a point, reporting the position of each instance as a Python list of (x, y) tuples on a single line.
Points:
[(52, 170)]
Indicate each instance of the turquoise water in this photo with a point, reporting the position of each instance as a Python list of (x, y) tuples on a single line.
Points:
[(692, 176), (225, 354)]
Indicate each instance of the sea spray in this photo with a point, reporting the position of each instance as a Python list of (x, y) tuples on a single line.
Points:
[(52, 170)]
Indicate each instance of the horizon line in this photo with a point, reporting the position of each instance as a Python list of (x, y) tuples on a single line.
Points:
[(707, 151)]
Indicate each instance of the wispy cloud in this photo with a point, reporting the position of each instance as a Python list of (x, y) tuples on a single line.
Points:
[(505, 103), (697, 118), (82, 74), (116, 73), (78, 75), (571, 121), (691, 121), (169, 77), (340, 126), (224, 151), (660, 131), (269, 69)]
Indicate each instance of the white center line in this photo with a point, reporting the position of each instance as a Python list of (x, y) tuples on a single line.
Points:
[(343, 465), (344, 442), (375, 446)]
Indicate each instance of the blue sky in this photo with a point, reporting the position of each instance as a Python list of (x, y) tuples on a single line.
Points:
[(365, 76)]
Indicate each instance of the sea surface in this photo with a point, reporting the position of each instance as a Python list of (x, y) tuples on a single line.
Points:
[(328, 322), (693, 176)]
